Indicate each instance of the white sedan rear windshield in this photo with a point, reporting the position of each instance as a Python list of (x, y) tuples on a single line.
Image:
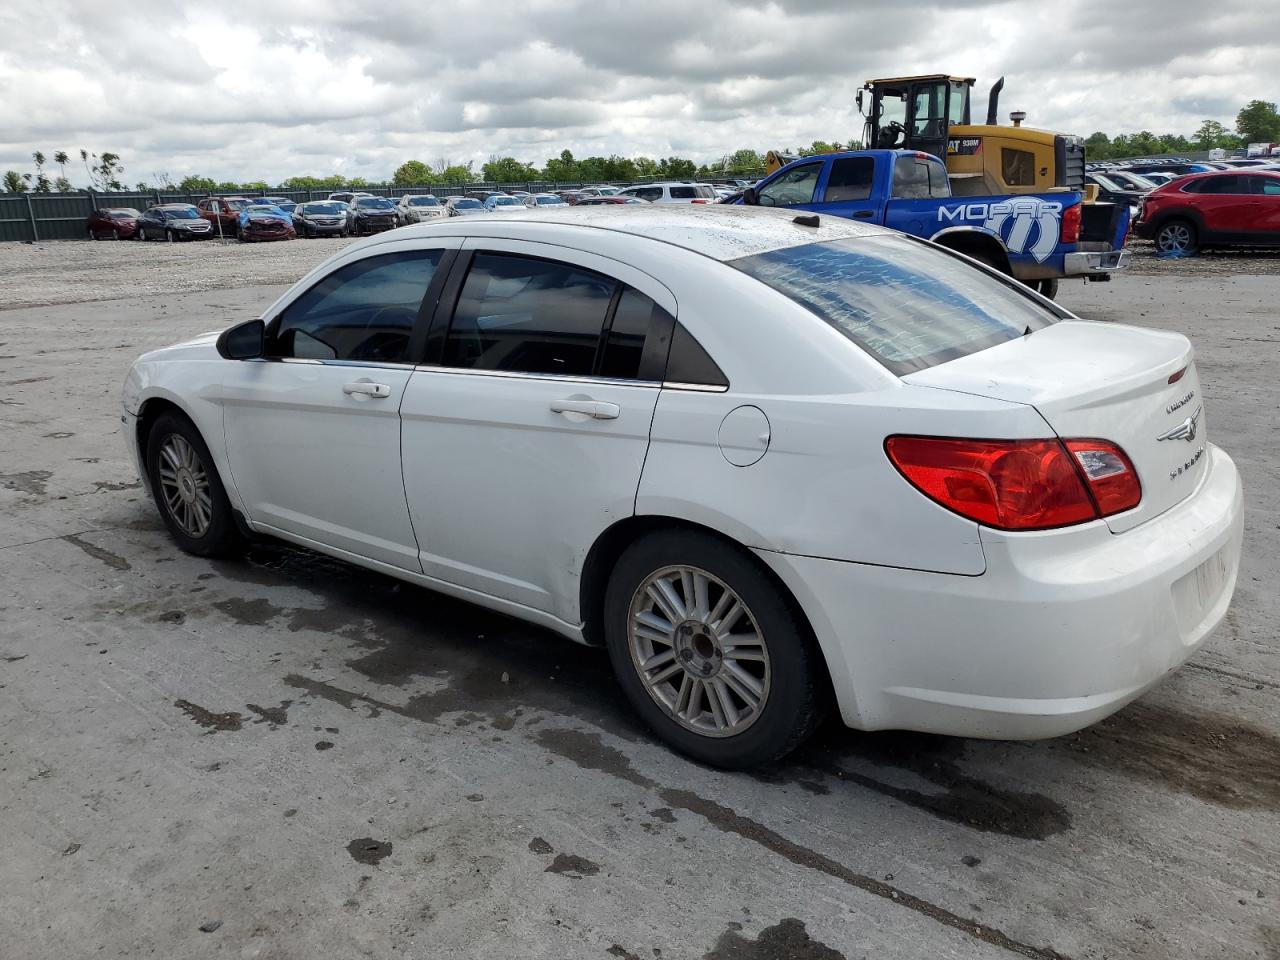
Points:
[(907, 304)]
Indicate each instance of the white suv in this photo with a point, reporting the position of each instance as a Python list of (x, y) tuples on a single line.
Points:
[(673, 193)]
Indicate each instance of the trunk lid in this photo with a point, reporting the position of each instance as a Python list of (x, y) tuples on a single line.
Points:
[(1103, 381)]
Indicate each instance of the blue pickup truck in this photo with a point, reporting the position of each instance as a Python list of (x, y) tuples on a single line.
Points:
[(1039, 238)]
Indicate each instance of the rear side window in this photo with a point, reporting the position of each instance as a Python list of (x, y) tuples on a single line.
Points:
[(683, 193), (363, 311), (906, 304), (1267, 186), (1223, 185), (849, 179), (624, 343), (528, 315), (920, 178), (689, 363)]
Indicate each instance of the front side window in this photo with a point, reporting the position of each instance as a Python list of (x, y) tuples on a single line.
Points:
[(363, 311), (850, 179), (908, 305), (528, 315), (920, 177), (793, 187)]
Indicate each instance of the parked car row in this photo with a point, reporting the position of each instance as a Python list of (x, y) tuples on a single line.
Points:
[(347, 212)]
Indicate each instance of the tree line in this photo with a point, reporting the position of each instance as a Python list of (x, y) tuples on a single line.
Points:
[(1257, 122)]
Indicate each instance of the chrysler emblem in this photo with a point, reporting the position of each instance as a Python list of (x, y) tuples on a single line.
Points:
[(1186, 430)]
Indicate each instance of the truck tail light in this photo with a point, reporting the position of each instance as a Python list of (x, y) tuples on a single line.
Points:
[(1071, 224), (1019, 484)]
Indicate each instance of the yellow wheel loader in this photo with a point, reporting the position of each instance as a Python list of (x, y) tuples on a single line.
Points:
[(932, 114)]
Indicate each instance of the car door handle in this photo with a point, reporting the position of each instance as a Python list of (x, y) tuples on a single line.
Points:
[(366, 388), (595, 409), (864, 214)]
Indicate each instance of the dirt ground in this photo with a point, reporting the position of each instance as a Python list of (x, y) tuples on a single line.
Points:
[(289, 758)]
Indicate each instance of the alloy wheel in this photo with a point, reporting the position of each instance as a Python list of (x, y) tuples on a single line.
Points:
[(185, 485), (1174, 238), (698, 651)]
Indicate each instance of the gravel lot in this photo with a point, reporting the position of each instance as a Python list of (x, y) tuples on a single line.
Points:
[(289, 758), (74, 271)]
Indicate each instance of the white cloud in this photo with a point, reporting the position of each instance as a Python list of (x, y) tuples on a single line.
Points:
[(246, 90)]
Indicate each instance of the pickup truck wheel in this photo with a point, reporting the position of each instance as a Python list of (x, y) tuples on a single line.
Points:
[(1177, 237), (1047, 288)]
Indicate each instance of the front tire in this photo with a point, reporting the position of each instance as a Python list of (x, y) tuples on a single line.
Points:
[(187, 489), (710, 652), (1177, 238)]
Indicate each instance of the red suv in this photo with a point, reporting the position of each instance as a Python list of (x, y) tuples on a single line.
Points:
[(1224, 208), (224, 209)]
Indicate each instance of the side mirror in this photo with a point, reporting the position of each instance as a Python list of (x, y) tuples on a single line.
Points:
[(244, 341), (750, 198), (858, 100)]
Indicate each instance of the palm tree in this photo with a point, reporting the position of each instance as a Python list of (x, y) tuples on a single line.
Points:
[(61, 159)]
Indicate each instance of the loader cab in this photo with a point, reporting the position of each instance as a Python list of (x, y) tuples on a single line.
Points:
[(914, 113), (932, 114)]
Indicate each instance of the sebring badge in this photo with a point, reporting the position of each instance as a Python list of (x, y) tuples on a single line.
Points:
[(1186, 430)]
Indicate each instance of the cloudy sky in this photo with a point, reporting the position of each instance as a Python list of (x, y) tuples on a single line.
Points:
[(242, 90)]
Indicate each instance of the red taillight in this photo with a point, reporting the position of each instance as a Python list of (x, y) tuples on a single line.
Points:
[(1019, 484), (699, 201), (1071, 224), (1177, 375), (1112, 480)]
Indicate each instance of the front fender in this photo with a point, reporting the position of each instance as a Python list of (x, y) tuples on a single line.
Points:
[(158, 385)]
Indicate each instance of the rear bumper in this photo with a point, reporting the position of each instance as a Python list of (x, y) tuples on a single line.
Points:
[(1090, 262), (1063, 628)]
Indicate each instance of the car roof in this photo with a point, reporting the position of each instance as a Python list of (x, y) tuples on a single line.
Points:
[(721, 232)]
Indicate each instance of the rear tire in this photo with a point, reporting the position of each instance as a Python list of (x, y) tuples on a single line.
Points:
[(187, 489), (169, 236), (93, 234), (1047, 288), (1177, 237), (728, 704)]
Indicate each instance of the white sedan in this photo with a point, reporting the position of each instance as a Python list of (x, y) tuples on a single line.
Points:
[(772, 463)]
